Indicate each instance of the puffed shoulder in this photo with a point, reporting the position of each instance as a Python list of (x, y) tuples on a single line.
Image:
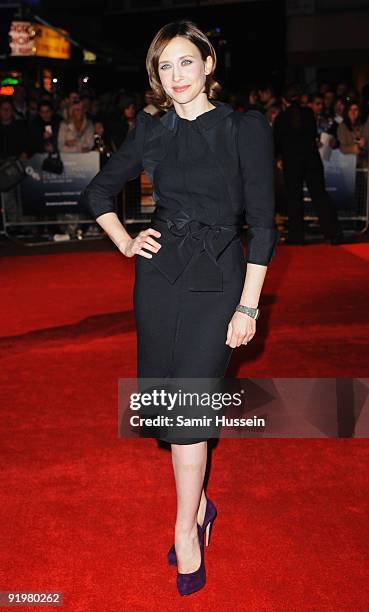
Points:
[(254, 125), (145, 118), (255, 139)]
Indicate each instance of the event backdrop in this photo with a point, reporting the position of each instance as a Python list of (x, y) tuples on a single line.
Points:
[(45, 192)]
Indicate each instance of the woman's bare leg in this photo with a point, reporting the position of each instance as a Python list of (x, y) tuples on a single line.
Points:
[(189, 465)]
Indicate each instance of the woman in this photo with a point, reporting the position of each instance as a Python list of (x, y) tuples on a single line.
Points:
[(207, 164), (353, 134), (76, 135)]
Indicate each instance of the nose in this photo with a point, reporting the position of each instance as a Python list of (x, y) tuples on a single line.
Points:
[(177, 74)]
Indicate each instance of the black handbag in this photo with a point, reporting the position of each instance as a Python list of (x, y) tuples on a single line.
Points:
[(12, 172), (53, 163)]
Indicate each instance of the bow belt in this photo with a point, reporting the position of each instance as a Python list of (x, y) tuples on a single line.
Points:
[(194, 243)]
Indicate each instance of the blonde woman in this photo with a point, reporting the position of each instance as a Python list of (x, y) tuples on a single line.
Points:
[(195, 299), (76, 135)]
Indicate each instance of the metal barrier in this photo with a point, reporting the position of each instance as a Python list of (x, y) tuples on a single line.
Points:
[(358, 213), (135, 205), (50, 190)]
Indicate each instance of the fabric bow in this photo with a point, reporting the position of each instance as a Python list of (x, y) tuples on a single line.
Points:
[(190, 240)]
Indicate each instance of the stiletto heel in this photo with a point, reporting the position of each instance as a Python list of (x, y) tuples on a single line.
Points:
[(210, 514), (190, 583), (207, 534)]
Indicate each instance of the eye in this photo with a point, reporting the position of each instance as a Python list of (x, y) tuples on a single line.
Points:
[(164, 65)]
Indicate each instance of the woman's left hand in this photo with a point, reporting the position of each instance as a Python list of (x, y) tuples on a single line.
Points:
[(241, 329)]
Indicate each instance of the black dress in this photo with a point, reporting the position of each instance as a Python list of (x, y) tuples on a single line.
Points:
[(186, 294)]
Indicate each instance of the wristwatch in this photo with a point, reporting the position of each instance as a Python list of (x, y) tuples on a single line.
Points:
[(254, 313)]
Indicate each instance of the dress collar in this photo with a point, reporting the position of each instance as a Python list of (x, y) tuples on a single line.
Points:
[(204, 121)]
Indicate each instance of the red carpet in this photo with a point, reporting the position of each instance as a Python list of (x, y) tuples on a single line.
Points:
[(91, 515)]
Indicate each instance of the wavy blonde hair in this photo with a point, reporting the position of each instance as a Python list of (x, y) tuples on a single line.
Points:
[(189, 30)]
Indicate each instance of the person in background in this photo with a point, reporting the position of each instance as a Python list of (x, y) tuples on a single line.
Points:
[(235, 99), (13, 144), (101, 143), (76, 135), (272, 112), (124, 121), (364, 111), (67, 103), (304, 100), (32, 110), (297, 154), (150, 106), (316, 104), (19, 102), (266, 96), (341, 89), (323, 88), (338, 110), (353, 134), (95, 109), (13, 133), (328, 104), (252, 99), (43, 131), (86, 102)]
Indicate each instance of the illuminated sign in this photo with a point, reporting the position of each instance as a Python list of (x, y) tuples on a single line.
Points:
[(6, 90), (21, 38), (27, 38), (51, 44)]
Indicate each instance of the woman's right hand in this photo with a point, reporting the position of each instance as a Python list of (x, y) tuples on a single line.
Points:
[(135, 246)]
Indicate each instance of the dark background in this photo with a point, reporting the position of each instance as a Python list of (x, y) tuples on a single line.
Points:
[(252, 33)]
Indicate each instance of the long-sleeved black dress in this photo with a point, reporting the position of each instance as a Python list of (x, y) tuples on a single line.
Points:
[(186, 294)]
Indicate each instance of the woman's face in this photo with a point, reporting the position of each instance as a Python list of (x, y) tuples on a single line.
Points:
[(99, 128), (253, 97), (339, 107), (130, 111), (182, 71), (77, 112), (353, 113)]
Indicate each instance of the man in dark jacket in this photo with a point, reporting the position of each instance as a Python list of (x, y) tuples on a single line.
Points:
[(13, 134), (295, 138), (43, 130)]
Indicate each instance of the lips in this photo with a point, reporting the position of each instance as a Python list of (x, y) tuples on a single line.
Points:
[(180, 89)]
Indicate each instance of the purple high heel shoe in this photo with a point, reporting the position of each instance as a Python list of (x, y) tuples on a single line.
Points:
[(210, 514), (190, 583)]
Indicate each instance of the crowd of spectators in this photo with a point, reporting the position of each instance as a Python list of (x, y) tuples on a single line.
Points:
[(38, 121), (75, 123)]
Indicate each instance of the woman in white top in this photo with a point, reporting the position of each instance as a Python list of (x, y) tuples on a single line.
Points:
[(76, 135)]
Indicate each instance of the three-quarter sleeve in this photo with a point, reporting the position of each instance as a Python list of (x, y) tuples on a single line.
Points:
[(124, 165), (256, 153)]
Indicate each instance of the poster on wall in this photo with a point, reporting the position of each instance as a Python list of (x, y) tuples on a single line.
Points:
[(44, 192)]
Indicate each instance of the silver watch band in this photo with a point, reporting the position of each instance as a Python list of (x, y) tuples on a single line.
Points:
[(252, 312)]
